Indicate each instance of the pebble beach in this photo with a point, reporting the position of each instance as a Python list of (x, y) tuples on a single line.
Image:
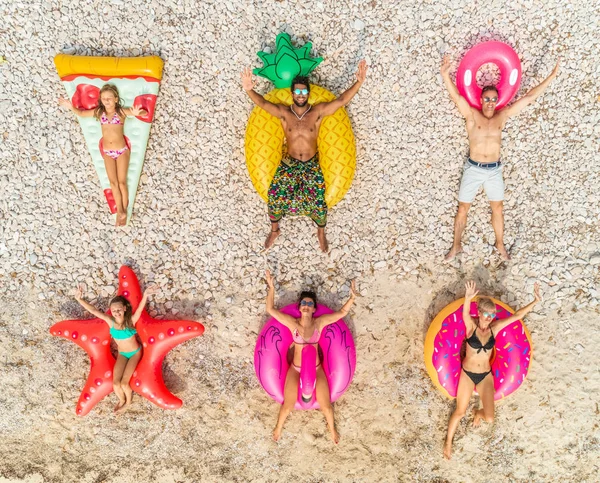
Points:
[(198, 229)]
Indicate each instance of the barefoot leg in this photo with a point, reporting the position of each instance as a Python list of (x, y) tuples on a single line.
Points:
[(111, 171), (324, 400), (274, 233), (463, 396), (117, 375), (122, 168), (498, 225), (126, 377), (322, 239), (290, 396), (486, 392), (460, 222)]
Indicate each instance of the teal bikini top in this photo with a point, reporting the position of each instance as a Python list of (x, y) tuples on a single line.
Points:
[(122, 333)]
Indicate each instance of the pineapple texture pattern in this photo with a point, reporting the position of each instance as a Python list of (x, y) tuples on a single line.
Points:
[(264, 145)]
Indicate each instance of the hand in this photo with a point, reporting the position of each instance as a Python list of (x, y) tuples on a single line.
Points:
[(536, 292), (151, 290), (445, 67), (247, 82), (361, 73), (137, 110), (353, 292), (270, 279), (470, 290), (555, 70), (64, 103), (79, 292)]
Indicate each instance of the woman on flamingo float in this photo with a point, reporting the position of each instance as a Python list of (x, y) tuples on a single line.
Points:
[(476, 368), (305, 330)]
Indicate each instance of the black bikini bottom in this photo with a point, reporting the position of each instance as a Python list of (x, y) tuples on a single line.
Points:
[(476, 377)]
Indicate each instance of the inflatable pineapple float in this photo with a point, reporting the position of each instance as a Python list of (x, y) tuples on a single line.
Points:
[(264, 142)]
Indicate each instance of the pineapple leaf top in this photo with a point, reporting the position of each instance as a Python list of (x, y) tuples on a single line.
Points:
[(287, 62)]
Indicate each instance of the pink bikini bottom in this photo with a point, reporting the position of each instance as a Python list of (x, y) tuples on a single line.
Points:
[(115, 153)]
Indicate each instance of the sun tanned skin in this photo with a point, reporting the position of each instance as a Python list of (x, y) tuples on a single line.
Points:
[(484, 129), (479, 362), (301, 134), (112, 138), (305, 326), (124, 367)]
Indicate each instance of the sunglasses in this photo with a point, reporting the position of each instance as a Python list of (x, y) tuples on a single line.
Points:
[(300, 92), (487, 314), (304, 303), (490, 99)]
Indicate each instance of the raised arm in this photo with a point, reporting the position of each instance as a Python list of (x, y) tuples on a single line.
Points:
[(248, 85), (152, 290), (463, 106), (285, 319), (531, 96), (470, 293), (90, 308), (329, 108), (78, 112), (328, 319), (498, 325)]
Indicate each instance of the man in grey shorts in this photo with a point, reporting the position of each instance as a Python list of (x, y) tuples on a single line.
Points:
[(484, 129)]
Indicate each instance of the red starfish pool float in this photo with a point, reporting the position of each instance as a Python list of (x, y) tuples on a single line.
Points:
[(158, 337)]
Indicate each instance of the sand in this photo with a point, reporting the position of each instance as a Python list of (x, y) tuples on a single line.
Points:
[(198, 227)]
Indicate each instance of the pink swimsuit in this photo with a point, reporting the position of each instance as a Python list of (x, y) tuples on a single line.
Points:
[(113, 153), (298, 339)]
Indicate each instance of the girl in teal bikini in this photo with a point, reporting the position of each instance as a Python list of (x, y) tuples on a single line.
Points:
[(121, 324)]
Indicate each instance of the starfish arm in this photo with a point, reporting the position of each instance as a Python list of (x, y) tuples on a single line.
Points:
[(129, 287), (91, 335), (159, 337)]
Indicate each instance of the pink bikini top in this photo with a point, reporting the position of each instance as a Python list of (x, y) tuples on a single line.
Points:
[(115, 119), (298, 339)]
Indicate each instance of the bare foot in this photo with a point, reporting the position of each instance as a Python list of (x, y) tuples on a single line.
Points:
[(322, 240), (271, 238), (476, 417), (335, 436), (502, 251), (123, 408), (118, 406), (448, 451), (453, 252), (121, 219), (277, 433)]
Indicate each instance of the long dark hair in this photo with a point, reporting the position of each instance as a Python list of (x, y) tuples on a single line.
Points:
[(101, 109), (119, 299), (307, 294)]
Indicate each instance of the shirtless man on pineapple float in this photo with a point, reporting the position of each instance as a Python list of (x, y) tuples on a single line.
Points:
[(298, 187), (484, 129)]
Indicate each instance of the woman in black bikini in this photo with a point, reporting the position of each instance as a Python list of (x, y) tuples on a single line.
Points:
[(476, 369)]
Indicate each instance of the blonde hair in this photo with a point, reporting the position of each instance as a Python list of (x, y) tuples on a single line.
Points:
[(485, 303), (101, 109)]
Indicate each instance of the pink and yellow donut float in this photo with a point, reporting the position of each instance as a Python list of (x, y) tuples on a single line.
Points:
[(510, 358)]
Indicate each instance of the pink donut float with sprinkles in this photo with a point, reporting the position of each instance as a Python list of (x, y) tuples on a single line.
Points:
[(510, 358)]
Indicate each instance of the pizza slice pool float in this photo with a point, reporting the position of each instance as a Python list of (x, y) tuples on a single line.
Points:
[(137, 80)]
